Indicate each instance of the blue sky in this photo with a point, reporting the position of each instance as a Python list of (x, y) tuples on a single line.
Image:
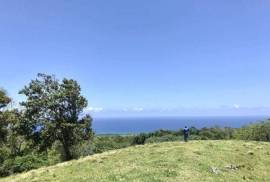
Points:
[(143, 57)]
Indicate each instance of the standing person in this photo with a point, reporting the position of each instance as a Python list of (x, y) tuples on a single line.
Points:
[(186, 133)]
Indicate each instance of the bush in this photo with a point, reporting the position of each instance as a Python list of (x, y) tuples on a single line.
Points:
[(21, 164), (55, 153), (83, 149), (166, 138), (195, 137), (4, 154), (161, 133), (194, 131), (215, 133), (105, 143), (258, 132), (140, 139)]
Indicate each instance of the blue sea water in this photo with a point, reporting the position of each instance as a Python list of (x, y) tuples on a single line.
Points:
[(148, 124)]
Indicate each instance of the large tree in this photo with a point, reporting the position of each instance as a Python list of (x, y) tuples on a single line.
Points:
[(53, 112)]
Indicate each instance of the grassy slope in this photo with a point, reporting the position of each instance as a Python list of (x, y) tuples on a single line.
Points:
[(173, 161)]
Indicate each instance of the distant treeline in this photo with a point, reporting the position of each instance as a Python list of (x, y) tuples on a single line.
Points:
[(50, 127), (259, 131)]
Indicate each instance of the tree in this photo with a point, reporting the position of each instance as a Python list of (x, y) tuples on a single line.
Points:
[(53, 112), (4, 101)]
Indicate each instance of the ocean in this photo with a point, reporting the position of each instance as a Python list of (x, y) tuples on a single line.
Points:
[(133, 125)]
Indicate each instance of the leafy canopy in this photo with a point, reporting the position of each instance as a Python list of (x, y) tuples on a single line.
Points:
[(4, 99), (53, 112)]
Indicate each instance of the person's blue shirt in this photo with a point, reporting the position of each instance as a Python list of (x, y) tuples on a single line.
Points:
[(186, 131)]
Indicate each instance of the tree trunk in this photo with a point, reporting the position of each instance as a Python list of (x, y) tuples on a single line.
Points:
[(67, 154)]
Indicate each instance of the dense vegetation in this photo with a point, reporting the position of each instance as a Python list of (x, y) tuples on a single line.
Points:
[(50, 127)]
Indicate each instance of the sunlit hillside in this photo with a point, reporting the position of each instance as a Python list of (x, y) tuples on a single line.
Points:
[(173, 161)]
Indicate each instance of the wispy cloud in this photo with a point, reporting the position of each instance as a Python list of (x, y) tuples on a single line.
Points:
[(138, 109), (229, 110), (135, 109), (94, 109), (236, 106)]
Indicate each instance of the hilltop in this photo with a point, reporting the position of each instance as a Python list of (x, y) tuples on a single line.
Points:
[(172, 161)]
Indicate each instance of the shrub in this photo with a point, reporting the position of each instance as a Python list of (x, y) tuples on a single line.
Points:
[(161, 133), (83, 149), (102, 144), (258, 132), (55, 153), (140, 139), (21, 164), (4, 154), (166, 138), (214, 133)]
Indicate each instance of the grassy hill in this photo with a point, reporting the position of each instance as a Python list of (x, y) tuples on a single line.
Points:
[(173, 161)]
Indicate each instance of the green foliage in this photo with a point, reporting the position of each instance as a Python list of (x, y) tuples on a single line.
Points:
[(4, 154), (4, 99), (193, 131), (83, 149), (55, 154), (16, 142), (165, 138), (215, 133), (22, 163), (258, 131), (12, 158), (53, 112), (105, 143), (160, 133), (140, 139)]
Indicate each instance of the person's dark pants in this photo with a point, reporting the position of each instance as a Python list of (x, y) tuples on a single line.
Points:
[(186, 138)]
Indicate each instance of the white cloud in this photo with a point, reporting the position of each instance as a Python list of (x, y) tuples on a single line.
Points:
[(236, 106), (125, 109), (135, 109), (138, 109), (95, 109)]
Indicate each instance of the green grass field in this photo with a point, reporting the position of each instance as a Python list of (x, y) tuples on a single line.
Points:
[(172, 161)]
